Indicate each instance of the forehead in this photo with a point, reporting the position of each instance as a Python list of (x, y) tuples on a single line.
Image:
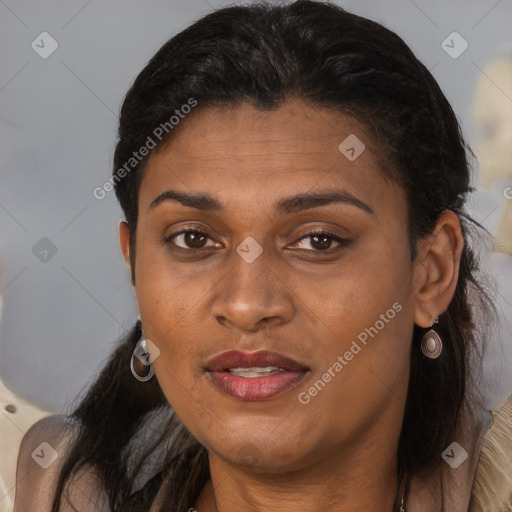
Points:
[(295, 127), (243, 153)]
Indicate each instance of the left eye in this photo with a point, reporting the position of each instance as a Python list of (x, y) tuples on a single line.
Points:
[(321, 241)]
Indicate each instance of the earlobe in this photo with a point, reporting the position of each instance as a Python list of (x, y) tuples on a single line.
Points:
[(437, 268), (124, 241)]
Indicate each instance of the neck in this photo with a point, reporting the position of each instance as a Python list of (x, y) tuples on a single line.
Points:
[(356, 482)]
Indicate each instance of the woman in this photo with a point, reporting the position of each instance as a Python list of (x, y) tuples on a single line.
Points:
[(293, 183)]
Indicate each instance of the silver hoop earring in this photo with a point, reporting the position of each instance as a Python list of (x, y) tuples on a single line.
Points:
[(431, 344), (142, 354)]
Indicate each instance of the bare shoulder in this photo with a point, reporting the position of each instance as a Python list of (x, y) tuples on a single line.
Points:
[(42, 454)]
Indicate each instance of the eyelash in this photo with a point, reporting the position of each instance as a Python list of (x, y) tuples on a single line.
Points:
[(343, 242)]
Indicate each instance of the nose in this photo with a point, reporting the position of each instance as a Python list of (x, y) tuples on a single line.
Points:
[(253, 295)]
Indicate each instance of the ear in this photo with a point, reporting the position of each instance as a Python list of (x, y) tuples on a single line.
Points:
[(436, 269), (124, 241)]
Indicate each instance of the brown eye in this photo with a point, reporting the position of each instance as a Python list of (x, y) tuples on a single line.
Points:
[(321, 241), (194, 239), (189, 239)]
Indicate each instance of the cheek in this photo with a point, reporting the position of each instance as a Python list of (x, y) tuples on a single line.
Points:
[(365, 284), (168, 304), (366, 317), (165, 297), (167, 309)]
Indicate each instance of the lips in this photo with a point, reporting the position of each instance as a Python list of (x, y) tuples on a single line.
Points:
[(254, 376), (262, 359)]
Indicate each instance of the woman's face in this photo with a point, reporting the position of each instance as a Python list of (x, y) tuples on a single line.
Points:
[(255, 185)]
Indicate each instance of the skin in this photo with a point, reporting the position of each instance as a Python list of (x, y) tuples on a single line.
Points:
[(338, 452)]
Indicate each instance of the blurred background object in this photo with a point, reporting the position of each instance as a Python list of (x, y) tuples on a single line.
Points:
[(17, 416), (492, 111)]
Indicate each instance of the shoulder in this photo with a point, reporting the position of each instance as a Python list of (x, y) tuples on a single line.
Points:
[(492, 488), (42, 454)]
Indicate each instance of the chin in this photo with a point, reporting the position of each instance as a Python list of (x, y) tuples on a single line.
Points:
[(260, 455)]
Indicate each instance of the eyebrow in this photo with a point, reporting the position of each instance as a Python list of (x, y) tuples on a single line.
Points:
[(205, 202)]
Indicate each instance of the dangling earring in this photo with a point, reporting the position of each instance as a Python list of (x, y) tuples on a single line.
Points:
[(431, 344), (143, 357)]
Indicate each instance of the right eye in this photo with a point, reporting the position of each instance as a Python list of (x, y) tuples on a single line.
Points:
[(189, 240)]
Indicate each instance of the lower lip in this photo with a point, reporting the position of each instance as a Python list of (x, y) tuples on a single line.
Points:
[(256, 388)]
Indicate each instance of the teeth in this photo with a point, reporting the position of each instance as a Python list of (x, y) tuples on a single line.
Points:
[(255, 372)]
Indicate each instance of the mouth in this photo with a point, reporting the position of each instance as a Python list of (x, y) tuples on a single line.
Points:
[(254, 376)]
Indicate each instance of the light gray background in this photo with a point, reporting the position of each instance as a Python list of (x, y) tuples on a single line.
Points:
[(58, 123)]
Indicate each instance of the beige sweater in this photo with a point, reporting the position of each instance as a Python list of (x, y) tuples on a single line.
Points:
[(492, 488)]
